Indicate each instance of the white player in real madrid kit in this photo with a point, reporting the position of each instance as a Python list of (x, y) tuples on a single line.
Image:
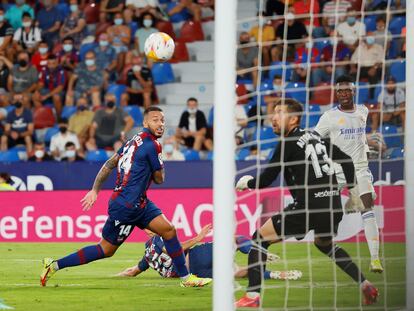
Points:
[(345, 126)]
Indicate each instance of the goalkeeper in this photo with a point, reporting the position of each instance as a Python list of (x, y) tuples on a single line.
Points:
[(306, 163), (199, 258)]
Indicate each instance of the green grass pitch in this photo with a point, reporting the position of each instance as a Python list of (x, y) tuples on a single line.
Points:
[(93, 287)]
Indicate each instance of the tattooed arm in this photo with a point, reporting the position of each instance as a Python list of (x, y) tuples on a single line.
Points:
[(104, 172)]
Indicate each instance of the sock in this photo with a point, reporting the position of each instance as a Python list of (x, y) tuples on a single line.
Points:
[(175, 251), (343, 261), (257, 263), (267, 275), (244, 244), (81, 257), (371, 233), (252, 294)]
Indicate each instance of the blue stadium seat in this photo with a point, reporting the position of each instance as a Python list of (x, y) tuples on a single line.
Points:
[(370, 22), (162, 73), (320, 45), (191, 155), (10, 108), (311, 117), (99, 155), (267, 138), (117, 90), (49, 133), (391, 136), (296, 90), (242, 154), (397, 70), (135, 113), (277, 70), (85, 48), (210, 121), (266, 85), (396, 153), (396, 24), (9, 156), (210, 155), (68, 111), (362, 93)]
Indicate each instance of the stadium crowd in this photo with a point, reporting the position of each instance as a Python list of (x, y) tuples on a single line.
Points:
[(74, 78)]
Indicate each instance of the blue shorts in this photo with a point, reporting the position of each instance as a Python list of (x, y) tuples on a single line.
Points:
[(201, 260), (122, 221)]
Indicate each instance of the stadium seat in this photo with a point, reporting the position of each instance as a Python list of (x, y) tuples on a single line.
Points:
[(241, 91), (391, 136), (242, 154), (277, 69), (167, 27), (117, 90), (397, 153), (210, 155), (135, 113), (210, 120), (91, 12), (68, 111), (370, 22), (296, 90), (9, 108), (362, 93), (9, 156), (322, 94), (191, 155), (180, 52), (162, 73), (43, 117), (49, 133), (320, 44), (268, 139), (396, 24), (397, 70), (85, 48), (99, 155), (191, 31)]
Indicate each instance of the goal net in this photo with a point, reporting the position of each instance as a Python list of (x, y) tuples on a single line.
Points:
[(298, 49)]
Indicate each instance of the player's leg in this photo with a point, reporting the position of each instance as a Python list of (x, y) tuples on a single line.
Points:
[(345, 263)]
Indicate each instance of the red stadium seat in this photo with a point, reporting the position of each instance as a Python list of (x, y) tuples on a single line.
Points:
[(192, 31), (166, 27), (241, 91), (91, 12), (322, 94), (180, 52), (43, 117)]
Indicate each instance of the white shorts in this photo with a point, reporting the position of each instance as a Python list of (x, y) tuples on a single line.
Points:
[(364, 179)]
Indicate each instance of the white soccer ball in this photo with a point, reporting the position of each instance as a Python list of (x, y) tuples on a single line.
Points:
[(159, 47)]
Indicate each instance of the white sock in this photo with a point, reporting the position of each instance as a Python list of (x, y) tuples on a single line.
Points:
[(274, 275), (252, 295), (371, 233), (55, 266), (184, 278)]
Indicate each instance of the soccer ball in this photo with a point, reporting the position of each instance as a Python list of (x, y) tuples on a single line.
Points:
[(159, 47)]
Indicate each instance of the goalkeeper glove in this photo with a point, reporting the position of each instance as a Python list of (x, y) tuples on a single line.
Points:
[(242, 183)]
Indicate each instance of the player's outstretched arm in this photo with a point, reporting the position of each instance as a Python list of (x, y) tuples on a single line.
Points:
[(90, 198), (200, 237)]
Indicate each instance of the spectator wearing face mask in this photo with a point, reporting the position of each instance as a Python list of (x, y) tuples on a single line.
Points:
[(381, 34), (74, 25), (39, 59), (52, 80), (68, 57), (6, 33), (89, 80), (105, 54), (59, 140), (119, 36), (140, 89), (145, 6), (6, 182), (24, 78), (351, 29), (15, 12), (50, 21), (19, 127), (40, 154), (108, 8), (275, 95), (71, 153), (192, 129), (80, 122), (145, 30), (28, 36), (170, 151), (109, 127), (247, 59), (302, 62), (265, 34)]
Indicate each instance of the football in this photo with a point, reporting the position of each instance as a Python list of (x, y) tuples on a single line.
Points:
[(159, 47)]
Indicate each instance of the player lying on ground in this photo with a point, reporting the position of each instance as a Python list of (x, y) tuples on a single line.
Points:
[(199, 259), (306, 163), (138, 163), (345, 125)]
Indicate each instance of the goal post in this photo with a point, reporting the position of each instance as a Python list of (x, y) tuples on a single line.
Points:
[(224, 145)]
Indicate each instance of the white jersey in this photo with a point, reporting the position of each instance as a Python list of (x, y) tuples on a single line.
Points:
[(347, 131)]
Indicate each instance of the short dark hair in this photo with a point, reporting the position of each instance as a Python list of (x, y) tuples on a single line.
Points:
[(391, 79), (277, 77), (381, 18), (192, 99), (152, 108), (26, 14), (345, 79), (63, 121), (68, 38), (43, 42), (293, 106), (70, 144), (52, 57), (6, 177)]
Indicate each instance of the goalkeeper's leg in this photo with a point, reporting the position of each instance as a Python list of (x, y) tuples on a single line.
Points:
[(344, 261)]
